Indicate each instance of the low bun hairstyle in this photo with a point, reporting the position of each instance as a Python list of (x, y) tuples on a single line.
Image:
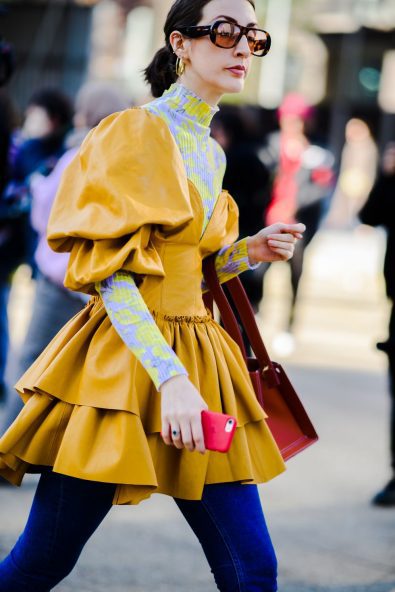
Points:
[(161, 72)]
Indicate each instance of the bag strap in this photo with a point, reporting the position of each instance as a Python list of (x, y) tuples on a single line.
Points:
[(246, 315), (218, 295)]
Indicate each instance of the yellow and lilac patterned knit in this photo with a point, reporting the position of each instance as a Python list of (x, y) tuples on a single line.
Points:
[(188, 118)]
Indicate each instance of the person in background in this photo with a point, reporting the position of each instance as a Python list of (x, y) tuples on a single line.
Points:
[(7, 127), (10, 253), (302, 179), (379, 210), (36, 147), (358, 168), (48, 118), (246, 177), (53, 304)]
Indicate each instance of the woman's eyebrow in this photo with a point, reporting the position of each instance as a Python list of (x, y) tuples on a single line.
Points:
[(232, 20)]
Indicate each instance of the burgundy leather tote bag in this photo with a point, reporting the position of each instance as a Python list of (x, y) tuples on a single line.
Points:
[(287, 419)]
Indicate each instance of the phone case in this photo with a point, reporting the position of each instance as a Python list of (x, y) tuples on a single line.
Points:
[(218, 430)]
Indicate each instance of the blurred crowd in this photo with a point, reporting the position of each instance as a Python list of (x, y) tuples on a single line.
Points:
[(34, 157), (279, 168)]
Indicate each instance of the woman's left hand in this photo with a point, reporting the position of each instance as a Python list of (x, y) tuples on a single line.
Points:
[(274, 243)]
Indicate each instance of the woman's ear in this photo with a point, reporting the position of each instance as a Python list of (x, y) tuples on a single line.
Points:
[(180, 45)]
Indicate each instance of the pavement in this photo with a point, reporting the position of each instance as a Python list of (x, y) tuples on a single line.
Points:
[(327, 536)]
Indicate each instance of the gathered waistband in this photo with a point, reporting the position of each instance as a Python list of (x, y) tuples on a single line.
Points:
[(182, 318), (96, 299)]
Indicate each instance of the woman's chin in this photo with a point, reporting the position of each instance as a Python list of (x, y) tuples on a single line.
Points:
[(234, 85)]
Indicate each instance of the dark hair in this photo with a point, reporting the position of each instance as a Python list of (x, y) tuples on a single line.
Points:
[(56, 104), (161, 72)]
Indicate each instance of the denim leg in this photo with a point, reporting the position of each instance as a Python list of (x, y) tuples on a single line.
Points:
[(230, 525), (65, 513)]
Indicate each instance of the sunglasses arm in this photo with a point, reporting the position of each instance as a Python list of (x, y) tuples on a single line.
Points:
[(195, 31)]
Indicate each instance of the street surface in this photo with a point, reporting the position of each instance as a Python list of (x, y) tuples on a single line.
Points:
[(327, 536)]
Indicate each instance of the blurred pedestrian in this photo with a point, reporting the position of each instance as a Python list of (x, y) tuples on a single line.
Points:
[(379, 210), (38, 147), (109, 404), (302, 181), (53, 304), (10, 252), (246, 178), (358, 167)]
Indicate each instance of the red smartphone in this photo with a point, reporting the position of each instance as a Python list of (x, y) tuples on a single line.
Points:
[(218, 430)]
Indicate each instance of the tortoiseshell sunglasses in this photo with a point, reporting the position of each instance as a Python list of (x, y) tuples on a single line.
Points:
[(227, 35)]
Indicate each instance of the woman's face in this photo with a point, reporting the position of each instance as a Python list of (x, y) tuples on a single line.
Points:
[(214, 69)]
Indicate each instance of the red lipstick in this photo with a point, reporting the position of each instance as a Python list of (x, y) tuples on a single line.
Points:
[(237, 70)]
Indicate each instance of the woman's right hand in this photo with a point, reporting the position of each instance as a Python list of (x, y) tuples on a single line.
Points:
[(182, 406)]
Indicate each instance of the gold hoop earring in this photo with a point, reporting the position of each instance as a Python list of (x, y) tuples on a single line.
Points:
[(180, 67)]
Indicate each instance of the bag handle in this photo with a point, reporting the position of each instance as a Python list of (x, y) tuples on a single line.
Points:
[(246, 314)]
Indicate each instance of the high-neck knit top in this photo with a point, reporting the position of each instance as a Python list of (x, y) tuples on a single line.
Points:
[(188, 118)]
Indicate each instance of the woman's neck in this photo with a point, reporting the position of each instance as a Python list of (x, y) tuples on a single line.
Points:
[(209, 94), (188, 108)]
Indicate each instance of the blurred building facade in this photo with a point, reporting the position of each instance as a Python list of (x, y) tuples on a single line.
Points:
[(51, 42), (359, 36), (339, 53)]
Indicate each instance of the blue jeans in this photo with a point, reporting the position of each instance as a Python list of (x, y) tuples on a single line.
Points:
[(228, 521)]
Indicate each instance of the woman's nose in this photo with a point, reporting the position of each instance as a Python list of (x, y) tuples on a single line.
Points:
[(242, 48)]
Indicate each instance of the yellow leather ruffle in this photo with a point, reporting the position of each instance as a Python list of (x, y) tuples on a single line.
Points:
[(101, 423), (85, 365), (99, 445)]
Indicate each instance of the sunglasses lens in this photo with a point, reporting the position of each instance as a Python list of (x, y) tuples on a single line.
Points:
[(258, 42), (226, 35)]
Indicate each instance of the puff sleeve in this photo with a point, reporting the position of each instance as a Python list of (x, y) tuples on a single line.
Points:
[(127, 176)]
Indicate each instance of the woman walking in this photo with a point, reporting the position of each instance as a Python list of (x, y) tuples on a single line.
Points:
[(113, 405)]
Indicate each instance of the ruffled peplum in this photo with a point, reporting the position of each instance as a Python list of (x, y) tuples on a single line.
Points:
[(98, 422)]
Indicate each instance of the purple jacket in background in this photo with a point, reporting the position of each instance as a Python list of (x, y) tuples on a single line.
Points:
[(43, 189)]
